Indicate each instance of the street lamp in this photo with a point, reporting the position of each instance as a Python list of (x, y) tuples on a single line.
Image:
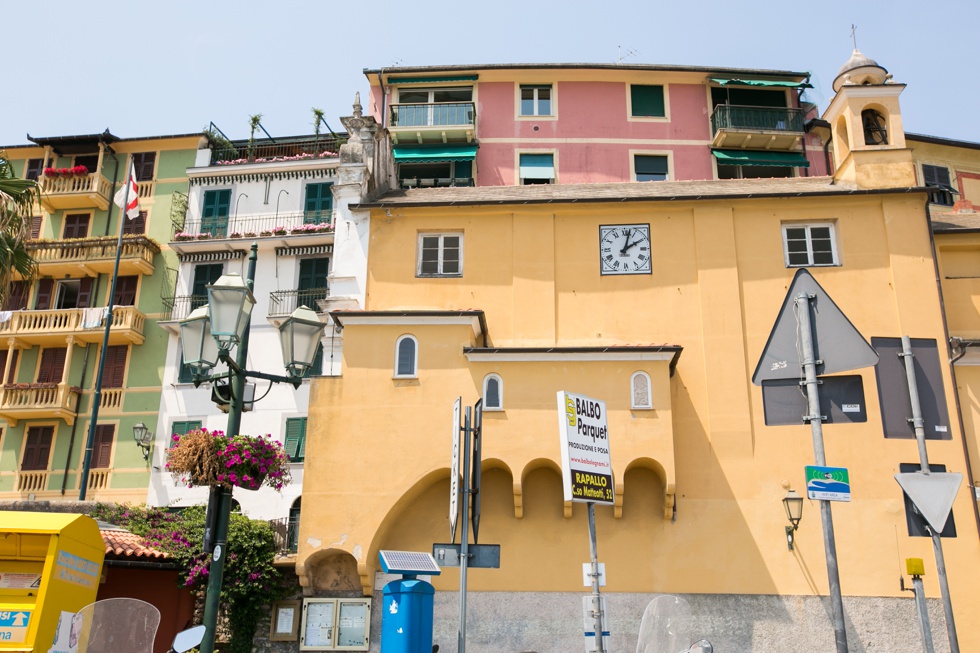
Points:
[(209, 334), (793, 503), (143, 438)]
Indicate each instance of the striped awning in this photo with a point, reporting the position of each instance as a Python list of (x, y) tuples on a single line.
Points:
[(304, 251), (205, 257), (239, 178)]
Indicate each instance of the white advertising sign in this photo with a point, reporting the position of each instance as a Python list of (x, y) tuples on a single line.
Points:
[(454, 471), (586, 468)]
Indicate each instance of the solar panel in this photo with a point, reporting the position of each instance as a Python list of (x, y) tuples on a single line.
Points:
[(408, 562)]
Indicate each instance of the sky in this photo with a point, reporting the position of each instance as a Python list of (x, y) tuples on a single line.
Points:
[(172, 67)]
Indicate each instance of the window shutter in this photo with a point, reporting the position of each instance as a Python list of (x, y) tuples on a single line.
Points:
[(125, 291), (36, 227), (135, 225), (144, 163), (38, 448), (13, 363), (115, 366), (76, 226), (406, 357), (52, 365), (102, 449), (34, 167), (84, 292), (182, 428), (44, 289), (17, 299), (295, 444), (647, 101)]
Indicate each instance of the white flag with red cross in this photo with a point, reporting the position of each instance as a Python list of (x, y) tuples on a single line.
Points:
[(132, 203)]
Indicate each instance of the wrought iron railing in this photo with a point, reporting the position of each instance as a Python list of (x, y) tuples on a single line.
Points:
[(286, 533), (177, 308), (767, 119), (284, 302), (264, 151), (298, 223), (435, 114)]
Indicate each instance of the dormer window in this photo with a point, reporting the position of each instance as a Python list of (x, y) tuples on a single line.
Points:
[(875, 128)]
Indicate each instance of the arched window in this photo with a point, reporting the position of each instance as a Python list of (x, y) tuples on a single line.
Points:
[(292, 526), (493, 392), (875, 127), (640, 395), (406, 356)]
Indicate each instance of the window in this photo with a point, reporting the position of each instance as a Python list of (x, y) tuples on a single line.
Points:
[(13, 363), (312, 284), (316, 369), (938, 176), (493, 392), (52, 365), (295, 444), (650, 168), (420, 107), (70, 293), (214, 214), (135, 225), (536, 100), (102, 448), (182, 428), (34, 169), (436, 173), (36, 227), (810, 244), (292, 532), (640, 393), (406, 357), (319, 202), (537, 168), (647, 101), (875, 128), (204, 276), (37, 449), (90, 161), (144, 163), (125, 294), (76, 226), (114, 370), (20, 292), (440, 255)]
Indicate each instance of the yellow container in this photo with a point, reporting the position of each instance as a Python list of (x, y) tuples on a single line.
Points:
[(50, 563)]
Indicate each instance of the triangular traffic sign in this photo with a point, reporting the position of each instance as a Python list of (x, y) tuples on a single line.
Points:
[(932, 494), (835, 340)]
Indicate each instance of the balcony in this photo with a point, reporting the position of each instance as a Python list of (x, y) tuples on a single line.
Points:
[(38, 401), (93, 256), (284, 302), (75, 192), (51, 327), (264, 151), (443, 122), (283, 229), (757, 128), (177, 308), (286, 534)]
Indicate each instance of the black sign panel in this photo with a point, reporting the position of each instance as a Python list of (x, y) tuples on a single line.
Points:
[(841, 400), (893, 389), (477, 477), (917, 524), (591, 486)]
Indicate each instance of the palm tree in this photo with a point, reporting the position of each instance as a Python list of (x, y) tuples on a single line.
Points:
[(17, 199)]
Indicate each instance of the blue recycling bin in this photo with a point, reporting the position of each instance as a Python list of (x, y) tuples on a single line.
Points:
[(406, 618)]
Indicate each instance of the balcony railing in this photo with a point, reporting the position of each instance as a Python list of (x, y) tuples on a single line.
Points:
[(145, 189), (284, 302), (439, 182), (266, 152), (45, 327), (98, 479), (37, 400), (763, 119), (297, 223), (177, 308), (55, 258), (34, 481), (76, 191), (433, 115), (111, 401), (286, 533)]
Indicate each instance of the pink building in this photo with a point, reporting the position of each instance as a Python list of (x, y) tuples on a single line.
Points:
[(507, 124)]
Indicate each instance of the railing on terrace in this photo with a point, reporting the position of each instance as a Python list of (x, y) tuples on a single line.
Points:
[(94, 182), (430, 115), (67, 321), (766, 119), (264, 152), (284, 302), (177, 308), (92, 249), (286, 533), (439, 182), (32, 481), (38, 396), (257, 225)]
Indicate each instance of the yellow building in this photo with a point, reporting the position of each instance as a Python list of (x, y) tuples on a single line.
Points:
[(506, 293)]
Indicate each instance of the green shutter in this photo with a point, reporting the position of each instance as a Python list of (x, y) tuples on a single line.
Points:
[(214, 214), (647, 101), (295, 444), (182, 428), (319, 202)]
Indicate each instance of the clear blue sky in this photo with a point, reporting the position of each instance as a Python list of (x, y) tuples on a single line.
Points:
[(142, 68)]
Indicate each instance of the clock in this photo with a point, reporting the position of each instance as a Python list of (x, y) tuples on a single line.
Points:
[(624, 249)]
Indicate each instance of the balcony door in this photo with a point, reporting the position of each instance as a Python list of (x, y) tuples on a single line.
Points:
[(102, 449), (204, 276), (312, 284), (214, 214), (52, 366), (37, 450), (114, 370), (319, 202)]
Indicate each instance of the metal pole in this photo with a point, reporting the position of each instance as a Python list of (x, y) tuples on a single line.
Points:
[(920, 436), (596, 599), (216, 571), (820, 458), (464, 549), (97, 395), (920, 607)]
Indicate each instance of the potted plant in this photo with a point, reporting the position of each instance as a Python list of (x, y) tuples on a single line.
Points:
[(265, 232), (202, 457), (235, 234), (279, 231), (204, 236), (249, 234), (182, 236)]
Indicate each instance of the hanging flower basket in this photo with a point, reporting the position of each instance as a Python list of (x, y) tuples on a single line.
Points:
[(202, 457)]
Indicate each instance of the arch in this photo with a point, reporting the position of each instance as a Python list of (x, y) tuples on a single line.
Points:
[(641, 391), (406, 356), (292, 526), (529, 468), (842, 142), (493, 392), (658, 469), (874, 122), (333, 570)]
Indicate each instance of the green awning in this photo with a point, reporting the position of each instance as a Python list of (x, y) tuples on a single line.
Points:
[(759, 82), (438, 154), (754, 158), (432, 80)]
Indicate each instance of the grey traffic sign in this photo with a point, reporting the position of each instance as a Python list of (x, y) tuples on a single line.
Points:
[(486, 556), (836, 343), (454, 472), (932, 494)]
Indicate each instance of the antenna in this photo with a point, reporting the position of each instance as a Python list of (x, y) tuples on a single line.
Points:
[(854, 35), (620, 56)]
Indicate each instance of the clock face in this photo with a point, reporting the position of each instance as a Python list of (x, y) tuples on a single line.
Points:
[(624, 249)]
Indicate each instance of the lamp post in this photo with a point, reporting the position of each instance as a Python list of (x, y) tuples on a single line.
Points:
[(209, 334), (143, 438), (793, 503)]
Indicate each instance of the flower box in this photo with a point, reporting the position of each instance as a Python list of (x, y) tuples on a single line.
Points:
[(202, 457), (77, 171), (205, 236), (249, 234), (265, 233), (234, 234), (181, 236)]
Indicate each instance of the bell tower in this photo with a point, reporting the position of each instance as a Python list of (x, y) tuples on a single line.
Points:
[(866, 127)]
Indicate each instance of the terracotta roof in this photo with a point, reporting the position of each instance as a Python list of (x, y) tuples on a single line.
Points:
[(952, 222), (625, 192), (123, 545)]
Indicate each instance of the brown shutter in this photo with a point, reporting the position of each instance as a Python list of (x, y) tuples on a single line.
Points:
[(125, 291), (13, 363), (52, 365), (38, 448), (76, 226), (44, 289), (144, 165), (34, 167), (135, 226), (84, 292), (17, 299), (115, 366), (102, 449), (36, 226)]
